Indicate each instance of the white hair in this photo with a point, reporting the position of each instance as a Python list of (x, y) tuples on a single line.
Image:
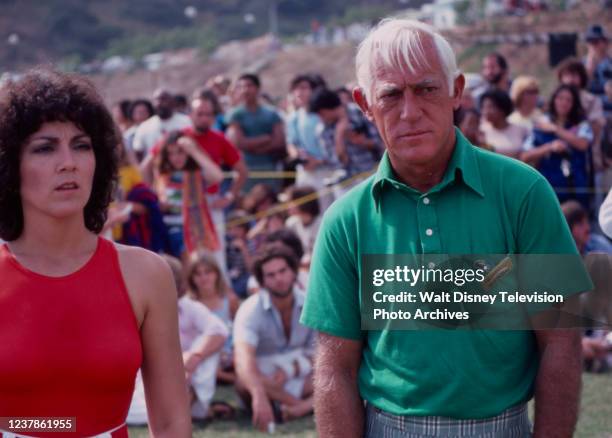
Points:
[(398, 43)]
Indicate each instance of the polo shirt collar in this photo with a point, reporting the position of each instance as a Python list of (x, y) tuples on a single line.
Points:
[(461, 168)]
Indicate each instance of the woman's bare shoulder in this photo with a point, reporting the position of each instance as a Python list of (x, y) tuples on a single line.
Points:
[(147, 276)]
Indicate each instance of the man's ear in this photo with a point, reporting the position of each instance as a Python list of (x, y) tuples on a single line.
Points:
[(360, 99), (459, 86)]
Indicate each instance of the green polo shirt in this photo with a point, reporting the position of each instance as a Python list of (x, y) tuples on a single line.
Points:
[(485, 204)]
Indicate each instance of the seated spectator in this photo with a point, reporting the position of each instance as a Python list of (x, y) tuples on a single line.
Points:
[(468, 122), (504, 137), (578, 220), (559, 144), (304, 219), (202, 335), (239, 252), (207, 286), (273, 350), (524, 94), (183, 173), (605, 215)]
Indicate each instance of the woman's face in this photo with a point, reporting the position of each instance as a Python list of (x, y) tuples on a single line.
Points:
[(57, 169), (177, 156), (491, 112), (563, 102), (529, 99), (205, 278), (140, 113)]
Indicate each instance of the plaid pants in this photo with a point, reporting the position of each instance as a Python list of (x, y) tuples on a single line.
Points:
[(512, 423)]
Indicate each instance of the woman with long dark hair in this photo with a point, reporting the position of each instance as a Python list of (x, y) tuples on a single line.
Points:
[(79, 315), (559, 146)]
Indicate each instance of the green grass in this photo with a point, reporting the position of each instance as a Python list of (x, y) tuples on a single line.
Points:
[(595, 416)]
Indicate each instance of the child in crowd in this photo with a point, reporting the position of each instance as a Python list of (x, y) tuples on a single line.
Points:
[(207, 286), (183, 172)]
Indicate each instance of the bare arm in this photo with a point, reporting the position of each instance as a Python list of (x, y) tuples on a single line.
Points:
[(557, 390), (533, 156), (147, 169), (154, 298), (211, 345), (578, 143), (338, 406), (243, 173), (248, 373), (210, 170), (253, 145), (277, 142)]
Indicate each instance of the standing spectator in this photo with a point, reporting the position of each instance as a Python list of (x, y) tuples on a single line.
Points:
[(597, 62), (273, 350), (559, 144), (225, 155), (578, 220), (303, 142), (165, 120), (121, 115), (346, 136), (140, 110), (495, 73), (256, 130), (505, 137), (524, 94)]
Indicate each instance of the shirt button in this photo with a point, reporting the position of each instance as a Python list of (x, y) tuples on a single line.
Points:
[(426, 201), (429, 231)]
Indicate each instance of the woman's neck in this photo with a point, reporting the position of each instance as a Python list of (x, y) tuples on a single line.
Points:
[(500, 124), (54, 237)]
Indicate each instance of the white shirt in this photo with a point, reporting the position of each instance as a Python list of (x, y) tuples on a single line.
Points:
[(154, 128), (196, 322), (508, 141), (605, 215)]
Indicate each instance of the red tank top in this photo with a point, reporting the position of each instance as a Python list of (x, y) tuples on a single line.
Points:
[(69, 346)]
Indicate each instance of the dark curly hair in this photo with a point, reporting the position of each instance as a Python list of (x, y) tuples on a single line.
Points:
[(44, 95)]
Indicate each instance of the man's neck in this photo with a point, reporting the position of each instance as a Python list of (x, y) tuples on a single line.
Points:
[(282, 304), (423, 178), (201, 130), (252, 106)]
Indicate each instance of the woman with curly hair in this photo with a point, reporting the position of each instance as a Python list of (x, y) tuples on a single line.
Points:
[(79, 315)]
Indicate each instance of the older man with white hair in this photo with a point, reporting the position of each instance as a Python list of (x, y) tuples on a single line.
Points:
[(433, 193)]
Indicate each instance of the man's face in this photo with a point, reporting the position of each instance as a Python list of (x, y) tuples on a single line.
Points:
[(247, 90), (278, 277), (202, 114), (581, 231), (414, 111), (301, 94), (600, 47), (163, 104), (491, 71), (570, 78)]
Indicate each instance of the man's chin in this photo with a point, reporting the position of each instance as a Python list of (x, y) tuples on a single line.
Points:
[(279, 294)]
